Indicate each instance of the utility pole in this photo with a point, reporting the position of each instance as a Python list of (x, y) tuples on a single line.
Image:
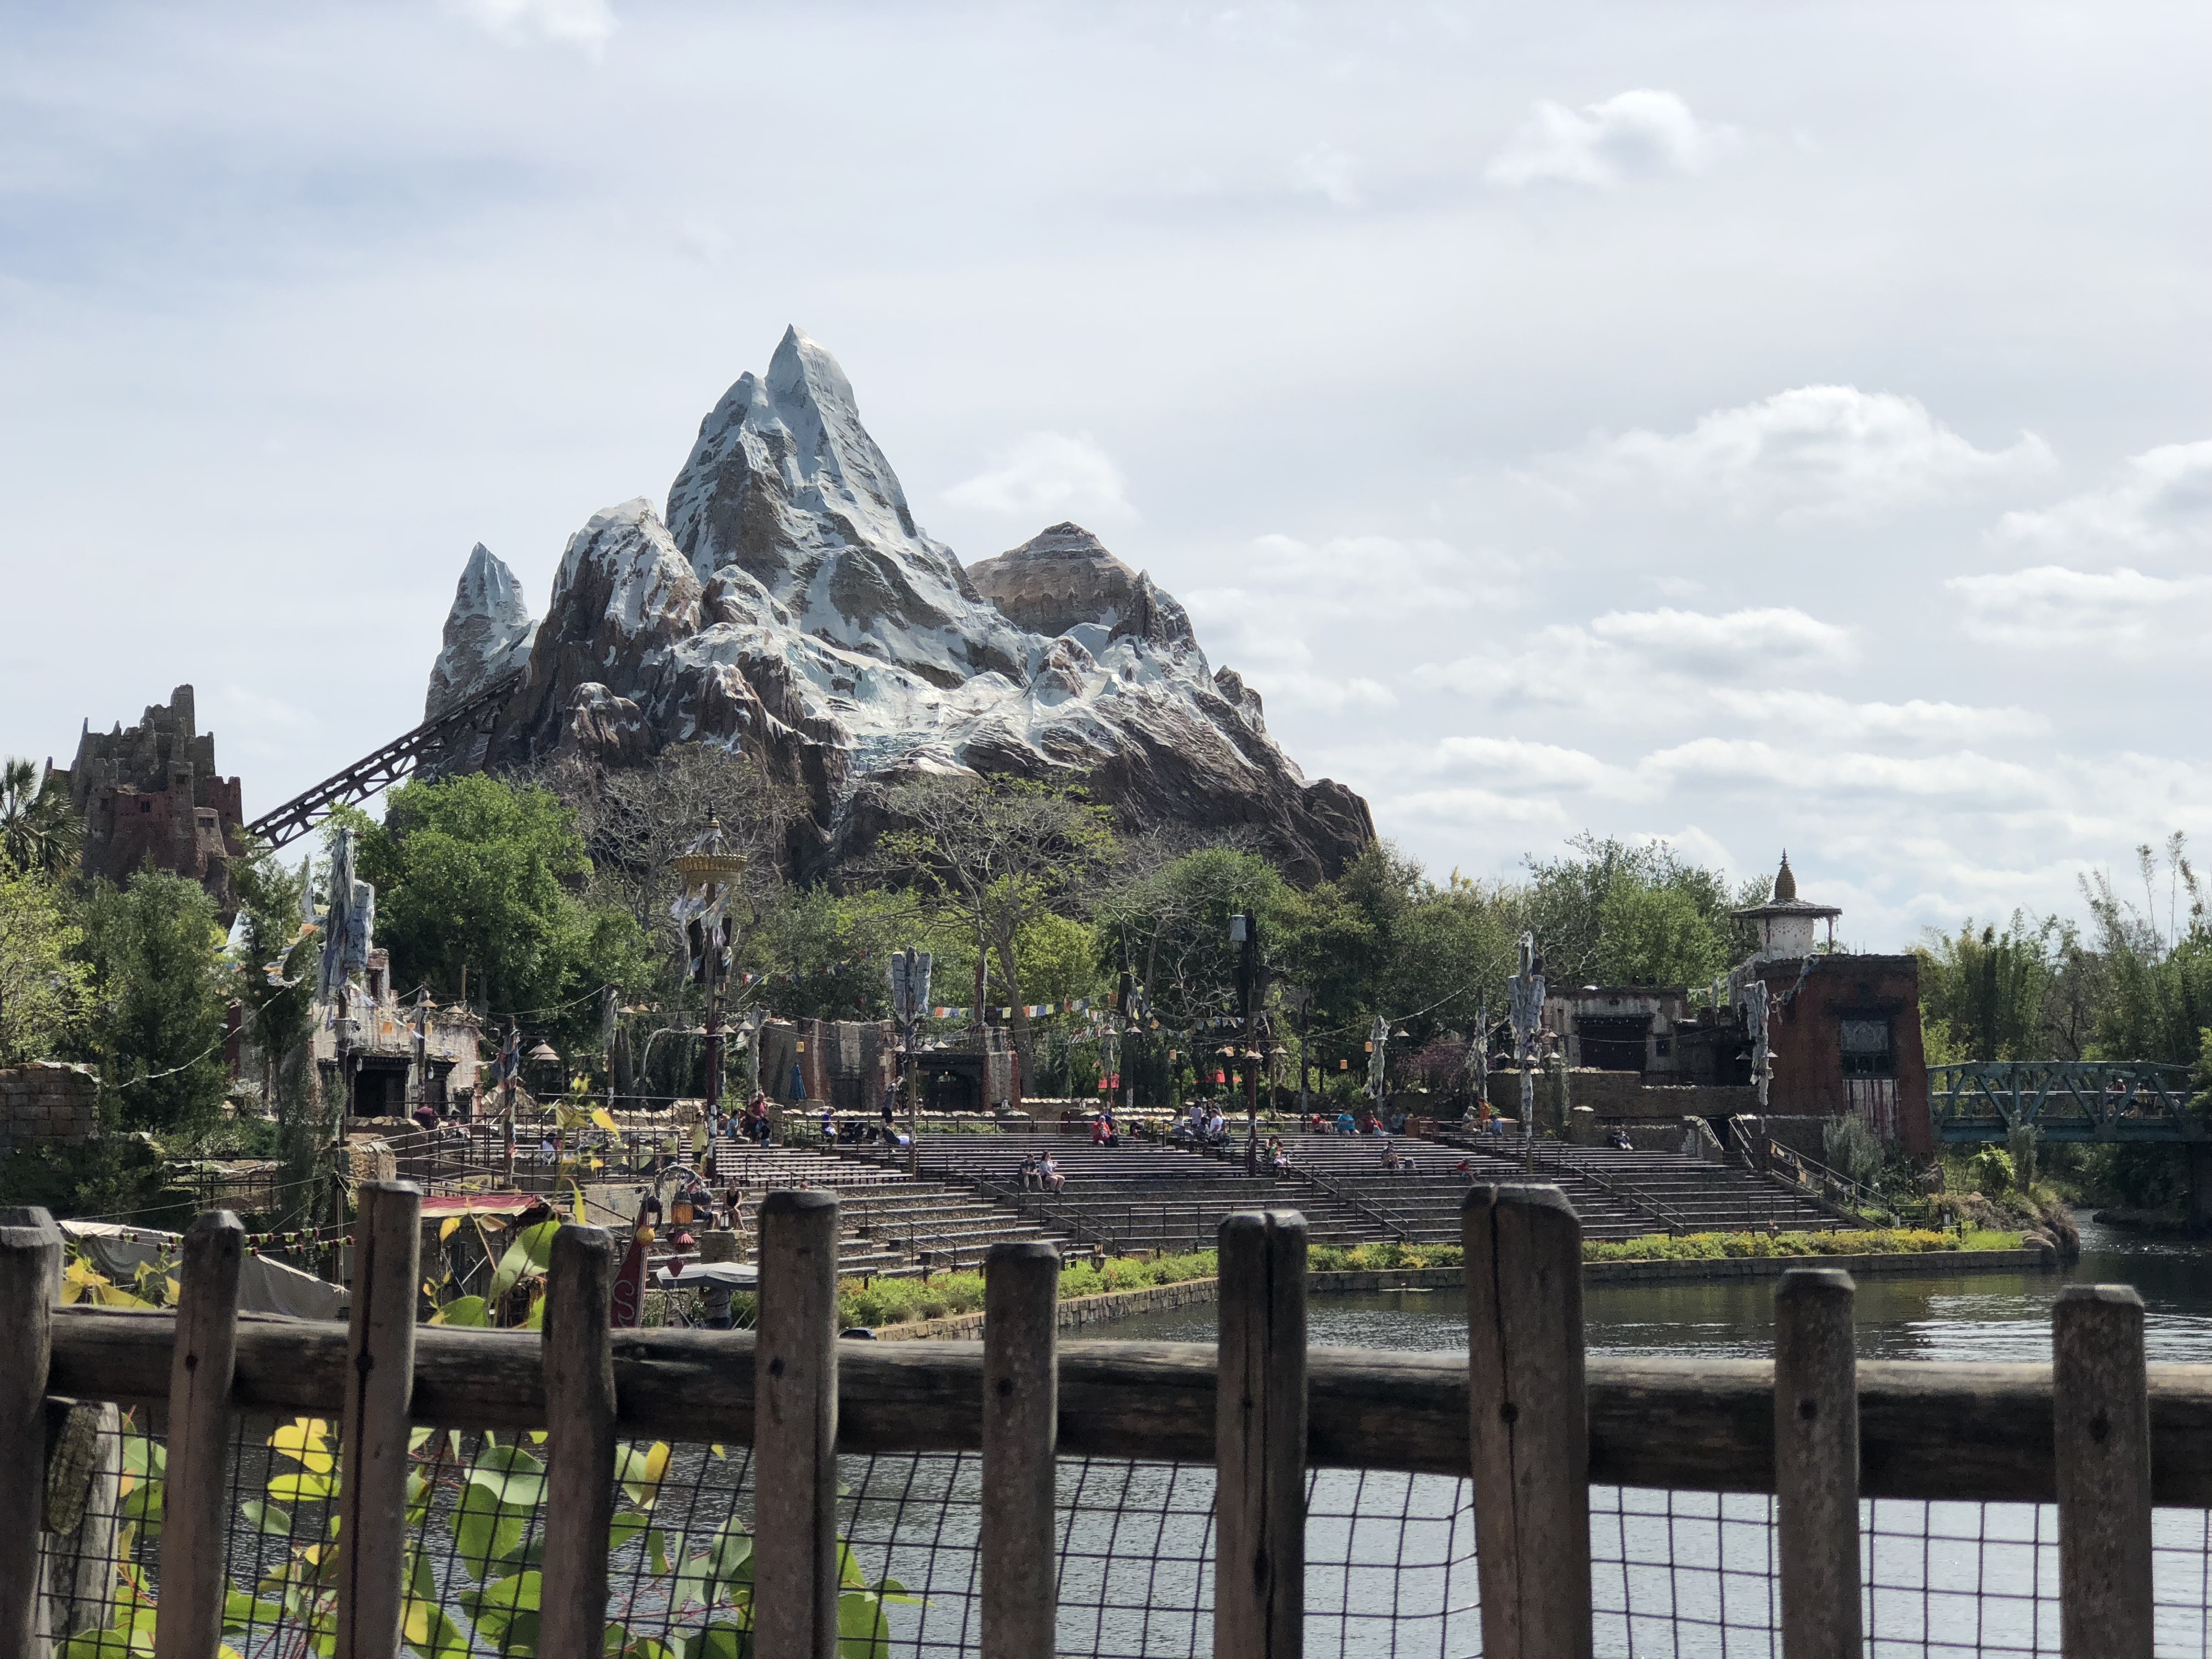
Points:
[(1527, 1006), (510, 1061), (1245, 932)]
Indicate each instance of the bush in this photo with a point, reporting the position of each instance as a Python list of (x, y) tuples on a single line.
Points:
[(1990, 1170), (1714, 1247)]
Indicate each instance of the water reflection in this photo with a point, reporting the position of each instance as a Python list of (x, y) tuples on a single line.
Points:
[(1993, 1316)]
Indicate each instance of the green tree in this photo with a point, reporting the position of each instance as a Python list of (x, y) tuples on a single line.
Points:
[(475, 877), (825, 955), (42, 983), (161, 997), (38, 831), (1600, 918), (2157, 972), (987, 856), (1981, 993)]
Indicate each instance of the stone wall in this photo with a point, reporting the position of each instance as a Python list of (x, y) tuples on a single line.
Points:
[(1625, 1095), (47, 1102)]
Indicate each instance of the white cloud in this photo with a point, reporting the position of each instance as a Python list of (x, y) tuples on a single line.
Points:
[(1815, 449), (1629, 135), (1823, 715), (2051, 607), (586, 25), (1703, 646), (1638, 666), (1049, 475), (2163, 505), (1327, 171)]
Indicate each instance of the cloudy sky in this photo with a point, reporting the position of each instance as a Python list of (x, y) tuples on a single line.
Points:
[(1746, 425)]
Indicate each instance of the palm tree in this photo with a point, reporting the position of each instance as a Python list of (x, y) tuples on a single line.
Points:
[(38, 833)]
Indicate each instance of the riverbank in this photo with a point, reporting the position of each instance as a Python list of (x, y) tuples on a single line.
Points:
[(1078, 1312)]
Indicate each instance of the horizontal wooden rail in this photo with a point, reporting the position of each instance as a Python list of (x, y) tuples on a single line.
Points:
[(1927, 1430)]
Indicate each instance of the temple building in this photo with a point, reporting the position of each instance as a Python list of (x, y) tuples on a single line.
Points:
[(149, 798)]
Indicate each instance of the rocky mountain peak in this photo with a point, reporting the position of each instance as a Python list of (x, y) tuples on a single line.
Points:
[(791, 607), (488, 632), (1063, 579), (786, 484)]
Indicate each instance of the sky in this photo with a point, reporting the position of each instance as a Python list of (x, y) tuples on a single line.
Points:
[(1751, 427)]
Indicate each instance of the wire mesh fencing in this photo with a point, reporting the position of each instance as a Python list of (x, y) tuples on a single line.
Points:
[(1390, 1558)]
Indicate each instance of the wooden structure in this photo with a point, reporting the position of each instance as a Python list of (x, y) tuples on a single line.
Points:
[(1525, 1414)]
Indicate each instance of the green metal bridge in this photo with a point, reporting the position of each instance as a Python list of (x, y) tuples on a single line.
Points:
[(2065, 1100)]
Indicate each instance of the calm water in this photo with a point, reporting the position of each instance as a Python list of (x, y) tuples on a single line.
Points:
[(1938, 1316), (1692, 1574)]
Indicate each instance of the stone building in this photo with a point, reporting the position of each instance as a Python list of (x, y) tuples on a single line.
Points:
[(386, 1057), (149, 798), (1844, 1029)]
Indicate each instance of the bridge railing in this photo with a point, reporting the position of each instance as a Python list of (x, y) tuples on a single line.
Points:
[(1545, 1449), (2065, 1100)]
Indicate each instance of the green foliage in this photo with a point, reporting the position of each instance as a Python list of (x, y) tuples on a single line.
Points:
[(38, 833), (109, 1174), (834, 947), (42, 983), (1981, 993), (1991, 1171), (474, 874), (1714, 1247), (1618, 914), (1849, 1148), (161, 996)]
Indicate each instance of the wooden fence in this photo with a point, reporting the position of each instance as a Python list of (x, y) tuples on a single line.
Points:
[(1523, 1415)]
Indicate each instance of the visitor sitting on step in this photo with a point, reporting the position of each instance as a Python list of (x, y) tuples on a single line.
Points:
[(1048, 1171), (1278, 1161), (1620, 1140), (1031, 1178), (1345, 1126)]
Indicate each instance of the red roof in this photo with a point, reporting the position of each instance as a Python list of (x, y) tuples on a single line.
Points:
[(482, 1203)]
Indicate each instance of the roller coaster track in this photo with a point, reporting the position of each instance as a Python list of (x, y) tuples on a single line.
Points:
[(385, 767)]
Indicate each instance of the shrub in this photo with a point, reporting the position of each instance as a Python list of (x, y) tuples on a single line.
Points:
[(1990, 1170)]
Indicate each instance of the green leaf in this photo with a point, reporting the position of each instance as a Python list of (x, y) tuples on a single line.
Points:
[(266, 1518), (486, 1532), (471, 1310), (720, 1641), (511, 1475), (102, 1644), (730, 1557), (532, 1249), (305, 1487), (623, 1528), (863, 1632)]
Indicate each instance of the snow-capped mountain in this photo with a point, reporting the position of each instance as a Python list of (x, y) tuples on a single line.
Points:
[(791, 606)]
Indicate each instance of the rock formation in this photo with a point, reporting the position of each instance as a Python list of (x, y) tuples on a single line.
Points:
[(488, 632), (791, 607)]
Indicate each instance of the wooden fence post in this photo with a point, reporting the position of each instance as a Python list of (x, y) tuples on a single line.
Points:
[(1021, 1427), (795, 1428), (196, 1495), (2100, 1400), (379, 1386), (579, 1443), (1529, 1422), (84, 1473), (1816, 1463), (30, 1284), (1260, 1439)]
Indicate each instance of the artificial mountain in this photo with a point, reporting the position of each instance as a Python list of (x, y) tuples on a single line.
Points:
[(789, 606)]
